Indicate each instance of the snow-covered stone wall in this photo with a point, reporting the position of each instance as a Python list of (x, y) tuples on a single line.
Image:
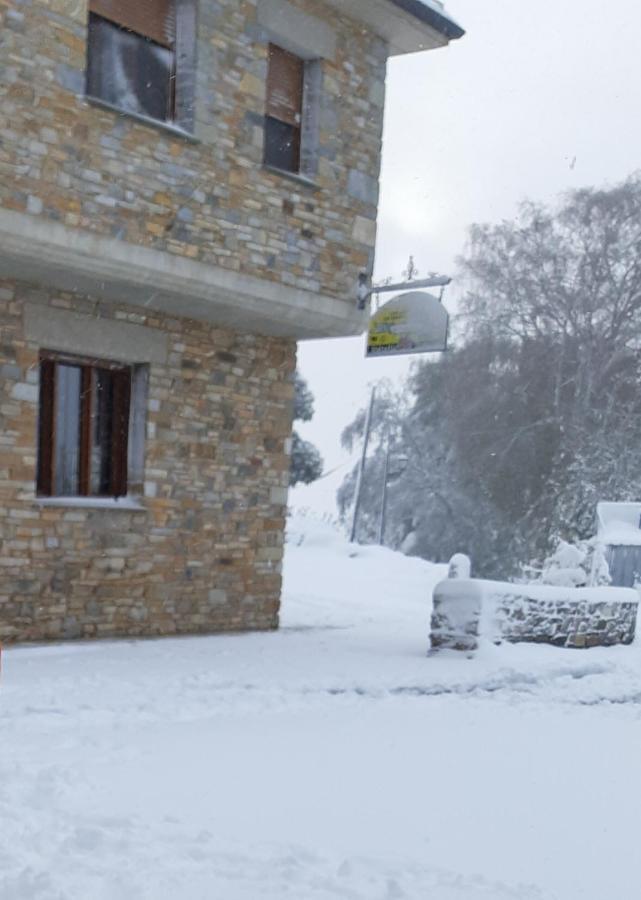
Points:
[(467, 611)]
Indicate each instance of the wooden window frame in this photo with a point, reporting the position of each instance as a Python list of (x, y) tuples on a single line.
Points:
[(93, 46), (121, 410), (289, 115), (177, 32)]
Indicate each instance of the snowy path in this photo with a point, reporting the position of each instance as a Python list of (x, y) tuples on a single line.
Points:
[(331, 760)]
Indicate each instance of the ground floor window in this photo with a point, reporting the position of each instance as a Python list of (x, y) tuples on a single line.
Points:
[(84, 427)]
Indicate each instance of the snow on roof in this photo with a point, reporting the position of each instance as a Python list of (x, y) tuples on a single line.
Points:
[(438, 7), (619, 524), (435, 14)]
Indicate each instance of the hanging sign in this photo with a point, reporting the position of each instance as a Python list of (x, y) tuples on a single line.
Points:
[(416, 322)]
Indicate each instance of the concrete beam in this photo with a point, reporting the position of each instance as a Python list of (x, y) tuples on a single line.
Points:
[(42, 252)]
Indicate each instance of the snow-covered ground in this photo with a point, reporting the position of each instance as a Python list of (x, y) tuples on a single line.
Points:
[(330, 760)]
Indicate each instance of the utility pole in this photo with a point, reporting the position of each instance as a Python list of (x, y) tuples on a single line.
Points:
[(392, 470), (361, 467), (381, 524)]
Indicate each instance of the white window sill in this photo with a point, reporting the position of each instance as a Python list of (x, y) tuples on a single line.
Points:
[(124, 504)]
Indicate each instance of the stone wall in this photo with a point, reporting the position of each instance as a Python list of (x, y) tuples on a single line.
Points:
[(467, 612), (203, 551), (206, 197)]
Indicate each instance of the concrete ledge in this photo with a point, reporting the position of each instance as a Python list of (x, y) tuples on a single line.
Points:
[(467, 612), (40, 251), (57, 329), (119, 504)]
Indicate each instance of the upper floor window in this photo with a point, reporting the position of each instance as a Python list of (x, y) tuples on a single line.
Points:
[(84, 428), (284, 110), (132, 56)]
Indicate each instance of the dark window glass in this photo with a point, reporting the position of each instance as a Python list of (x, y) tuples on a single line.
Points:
[(130, 71), (103, 431), (282, 145), (84, 426)]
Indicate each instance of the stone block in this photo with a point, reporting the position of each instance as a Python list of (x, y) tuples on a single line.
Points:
[(25, 392), (364, 230), (70, 79), (361, 186)]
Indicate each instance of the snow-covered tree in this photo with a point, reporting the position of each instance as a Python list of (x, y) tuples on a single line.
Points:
[(306, 461), (575, 565), (516, 433)]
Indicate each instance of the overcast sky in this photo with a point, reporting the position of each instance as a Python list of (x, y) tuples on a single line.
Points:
[(539, 97)]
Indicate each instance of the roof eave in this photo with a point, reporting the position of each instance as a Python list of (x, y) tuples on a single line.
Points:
[(408, 26), (440, 22)]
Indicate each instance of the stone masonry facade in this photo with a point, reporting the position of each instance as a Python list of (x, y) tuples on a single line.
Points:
[(204, 551), (205, 197), (200, 549)]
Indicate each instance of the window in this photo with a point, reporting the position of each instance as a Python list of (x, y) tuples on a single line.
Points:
[(284, 112), (132, 56), (84, 428)]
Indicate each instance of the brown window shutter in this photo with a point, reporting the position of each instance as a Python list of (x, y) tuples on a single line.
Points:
[(285, 86), (154, 19), (45, 428), (120, 433)]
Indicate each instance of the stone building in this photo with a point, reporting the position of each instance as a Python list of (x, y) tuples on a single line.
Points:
[(187, 188)]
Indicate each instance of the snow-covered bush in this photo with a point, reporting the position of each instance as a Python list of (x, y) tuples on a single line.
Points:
[(575, 565)]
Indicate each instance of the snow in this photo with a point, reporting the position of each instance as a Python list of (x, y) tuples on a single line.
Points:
[(439, 7), (619, 524), (621, 536), (552, 593), (568, 566), (333, 759)]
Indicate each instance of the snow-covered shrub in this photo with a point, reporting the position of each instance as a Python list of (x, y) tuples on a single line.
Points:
[(575, 565)]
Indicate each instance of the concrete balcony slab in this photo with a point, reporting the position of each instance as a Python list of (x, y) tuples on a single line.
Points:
[(40, 251)]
